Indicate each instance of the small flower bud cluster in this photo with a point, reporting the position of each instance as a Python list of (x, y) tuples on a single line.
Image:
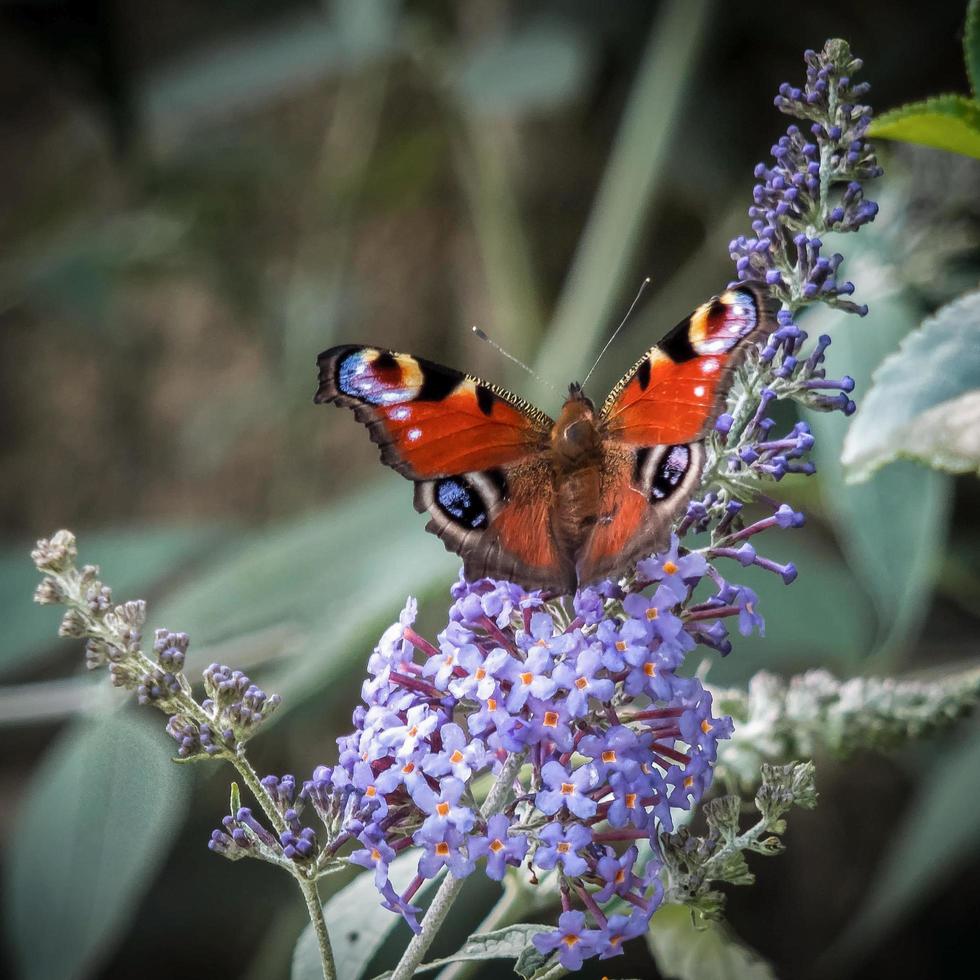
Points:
[(816, 713), (234, 707), (245, 836)]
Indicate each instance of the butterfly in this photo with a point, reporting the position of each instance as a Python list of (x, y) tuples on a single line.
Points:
[(553, 504)]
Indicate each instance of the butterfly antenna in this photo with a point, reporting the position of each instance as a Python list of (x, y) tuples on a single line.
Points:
[(615, 333), (482, 335)]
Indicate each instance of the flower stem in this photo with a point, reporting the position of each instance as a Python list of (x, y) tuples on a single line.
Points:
[(315, 909), (451, 886)]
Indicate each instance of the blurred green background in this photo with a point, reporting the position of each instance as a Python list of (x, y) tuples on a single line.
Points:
[(199, 197)]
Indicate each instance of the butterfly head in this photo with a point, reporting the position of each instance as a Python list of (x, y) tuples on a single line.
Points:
[(574, 436)]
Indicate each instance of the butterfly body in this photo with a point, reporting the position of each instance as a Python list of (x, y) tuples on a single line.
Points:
[(552, 504)]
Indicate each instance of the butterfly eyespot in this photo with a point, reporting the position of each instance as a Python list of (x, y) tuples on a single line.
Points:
[(698, 392), (379, 377), (670, 472), (459, 500), (413, 435), (661, 470)]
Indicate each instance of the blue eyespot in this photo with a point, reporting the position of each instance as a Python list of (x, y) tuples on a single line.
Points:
[(460, 502), (670, 471)]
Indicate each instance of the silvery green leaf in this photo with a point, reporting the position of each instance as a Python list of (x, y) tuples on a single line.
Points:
[(95, 825), (924, 403), (508, 943), (685, 950)]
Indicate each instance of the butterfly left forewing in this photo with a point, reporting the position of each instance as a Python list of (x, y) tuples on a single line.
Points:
[(477, 455), (654, 420), (428, 419)]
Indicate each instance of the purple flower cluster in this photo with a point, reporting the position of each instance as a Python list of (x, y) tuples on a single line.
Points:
[(813, 186), (587, 693)]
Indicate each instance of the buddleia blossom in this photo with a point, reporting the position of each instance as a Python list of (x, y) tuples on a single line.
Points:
[(217, 726), (586, 691), (814, 185)]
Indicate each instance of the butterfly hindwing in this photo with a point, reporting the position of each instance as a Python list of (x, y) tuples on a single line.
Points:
[(644, 490), (500, 522), (477, 455)]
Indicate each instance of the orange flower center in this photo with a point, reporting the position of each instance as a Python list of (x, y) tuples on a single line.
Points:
[(496, 845), (456, 757), (442, 848), (705, 727), (442, 809), (670, 568), (653, 612), (526, 678), (375, 855), (630, 801), (551, 719), (581, 683), (371, 791), (567, 789), (480, 673), (688, 782), (649, 669), (563, 848), (491, 704), (620, 645), (609, 755)]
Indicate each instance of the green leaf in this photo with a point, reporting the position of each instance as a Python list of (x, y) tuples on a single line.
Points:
[(891, 529), (537, 68), (508, 943), (133, 560), (708, 951), (95, 826), (924, 402), (530, 963), (939, 834), (947, 122), (357, 923), (971, 45)]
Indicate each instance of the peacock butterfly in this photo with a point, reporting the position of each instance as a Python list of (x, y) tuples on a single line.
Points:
[(553, 505)]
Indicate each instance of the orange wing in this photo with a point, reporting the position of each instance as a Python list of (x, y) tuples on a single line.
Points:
[(643, 492), (653, 422), (430, 420), (676, 391), (478, 456)]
